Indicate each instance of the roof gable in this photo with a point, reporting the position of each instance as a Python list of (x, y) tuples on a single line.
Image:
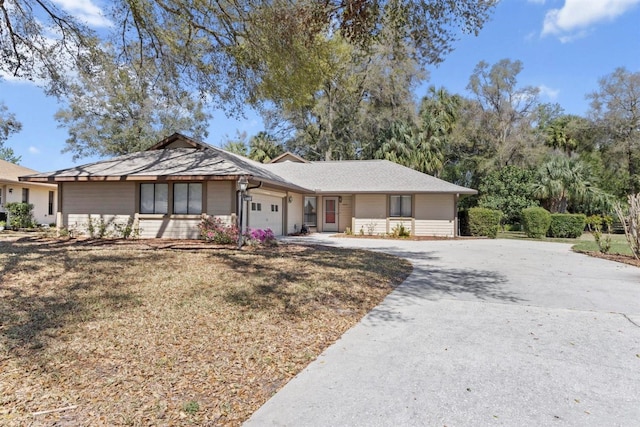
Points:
[(288, 157)]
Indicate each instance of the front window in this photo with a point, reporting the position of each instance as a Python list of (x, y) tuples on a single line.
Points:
[(400, 206), (154, 198), (51, 195), (187, 198), (25, 195), (310, 211)]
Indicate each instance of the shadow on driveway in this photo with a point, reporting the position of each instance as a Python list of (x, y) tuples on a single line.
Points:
[(435, 283)]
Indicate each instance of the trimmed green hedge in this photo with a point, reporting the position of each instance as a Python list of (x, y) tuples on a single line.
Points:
[(536, 222), (567, 225), (484, 222)]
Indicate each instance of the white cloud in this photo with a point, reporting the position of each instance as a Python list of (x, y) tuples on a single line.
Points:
[(574, 18), (33, 150), (548, 92), (87, 11)]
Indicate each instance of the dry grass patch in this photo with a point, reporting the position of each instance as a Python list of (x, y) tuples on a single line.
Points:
[(150, 334)]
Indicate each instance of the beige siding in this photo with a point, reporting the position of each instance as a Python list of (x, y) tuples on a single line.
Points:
[(111, 198), (220, 197), (294, 212), (108, 203), (345, 213), (370, 226), (371, 206), (169, 228), (406, 222), (439, 228), (370, 214), (435, 206), (435, 215), (113, 224)]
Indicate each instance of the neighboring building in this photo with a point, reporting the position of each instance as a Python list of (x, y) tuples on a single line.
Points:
[(165, 191), (41, 196)]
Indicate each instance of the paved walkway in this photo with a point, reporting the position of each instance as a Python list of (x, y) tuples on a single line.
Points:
[(483, 332)]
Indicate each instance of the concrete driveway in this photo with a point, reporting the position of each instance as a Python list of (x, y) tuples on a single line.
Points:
[(483, 332)]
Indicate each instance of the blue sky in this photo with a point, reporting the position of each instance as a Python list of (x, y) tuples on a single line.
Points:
[(565, 47)]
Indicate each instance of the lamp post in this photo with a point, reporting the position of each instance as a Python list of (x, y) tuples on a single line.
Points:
[(243, 183)]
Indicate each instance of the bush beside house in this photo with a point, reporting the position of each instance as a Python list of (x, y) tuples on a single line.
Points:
[(484, 222), (536, 222), (566, 225)]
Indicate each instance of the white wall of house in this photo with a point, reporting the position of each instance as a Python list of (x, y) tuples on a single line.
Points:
[(294, 212), (38, 197)]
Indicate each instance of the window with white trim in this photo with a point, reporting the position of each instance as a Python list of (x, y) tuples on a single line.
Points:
[(154, 198), (310, 211), (187, 198), (400, 206)]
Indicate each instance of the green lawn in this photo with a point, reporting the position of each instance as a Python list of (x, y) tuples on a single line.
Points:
[(586, 242)]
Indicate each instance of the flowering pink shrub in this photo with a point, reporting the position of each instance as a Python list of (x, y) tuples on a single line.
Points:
[(264, 237), (216, 231)]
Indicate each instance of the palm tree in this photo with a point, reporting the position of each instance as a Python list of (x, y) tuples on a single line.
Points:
[(264, 148), (563, 180)]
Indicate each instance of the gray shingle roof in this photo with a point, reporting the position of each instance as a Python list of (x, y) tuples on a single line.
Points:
[(170, 163), (362, 176), (199, 160)]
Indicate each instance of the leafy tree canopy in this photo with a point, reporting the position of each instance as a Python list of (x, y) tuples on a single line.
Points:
[(8, 126), (231, 51)]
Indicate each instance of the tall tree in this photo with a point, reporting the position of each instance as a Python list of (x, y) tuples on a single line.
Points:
[(223, 49), (114, 109), (8, 126), (507, 111), (264, 148), (616, 108)]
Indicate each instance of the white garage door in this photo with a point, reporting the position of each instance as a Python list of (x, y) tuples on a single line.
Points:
[(266, 212)]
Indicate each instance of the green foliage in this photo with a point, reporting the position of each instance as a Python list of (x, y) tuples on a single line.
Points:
[(508, 190), (264, 148), (562, 181), (597, 224), (191, 407), (536, 222), (20, 215), (8, 126), (119, 110), (566, 225), (484, 222), (400, 231)]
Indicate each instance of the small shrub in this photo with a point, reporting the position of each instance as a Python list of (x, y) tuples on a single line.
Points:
[(566, 225), (536, 222), (400, 231), (191, 407), (216, 231), (484, 222), (371, 228), (361, 231), (348, 232), (261, 237), (20, 215)]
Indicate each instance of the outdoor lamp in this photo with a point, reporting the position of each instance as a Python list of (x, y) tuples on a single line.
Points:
[(243, 183)]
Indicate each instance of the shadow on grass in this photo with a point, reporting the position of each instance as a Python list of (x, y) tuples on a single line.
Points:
[(46, 287), (290, 279)]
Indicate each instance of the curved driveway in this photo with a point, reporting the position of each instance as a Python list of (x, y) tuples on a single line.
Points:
[(483, 332)]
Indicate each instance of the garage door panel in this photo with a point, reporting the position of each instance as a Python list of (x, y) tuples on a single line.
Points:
[(266, 212)]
